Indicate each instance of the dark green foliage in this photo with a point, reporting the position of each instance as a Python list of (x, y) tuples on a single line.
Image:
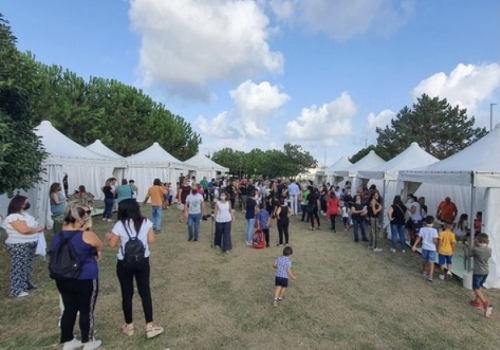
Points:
[(381, 152), (21, 152), (438, 128)]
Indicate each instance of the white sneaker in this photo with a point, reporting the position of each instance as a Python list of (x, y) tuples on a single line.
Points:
[(403, 251), (441, 277), (393, 250), (72, 345), (91, 345), (377, 250)]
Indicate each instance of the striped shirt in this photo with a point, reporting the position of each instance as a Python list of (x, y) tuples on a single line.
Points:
[(282, 266)]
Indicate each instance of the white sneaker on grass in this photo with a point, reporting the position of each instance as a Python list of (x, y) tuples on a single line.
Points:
[(393, 250), (441, 277), (91, 345), (377, 250), (72, 345)]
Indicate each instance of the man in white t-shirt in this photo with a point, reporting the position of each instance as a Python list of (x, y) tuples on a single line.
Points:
[(193, 211), (293, 192)]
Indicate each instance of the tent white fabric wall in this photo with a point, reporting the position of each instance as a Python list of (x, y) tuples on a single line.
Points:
[(100, 148), (83, 167), (341, 164), (477, 166), (154, 162), (205, 167)]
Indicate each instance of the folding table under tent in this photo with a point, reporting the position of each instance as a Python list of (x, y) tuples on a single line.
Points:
[(476, 168)]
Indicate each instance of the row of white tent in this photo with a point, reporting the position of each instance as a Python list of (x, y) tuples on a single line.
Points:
[(470, 177), (90, 166)]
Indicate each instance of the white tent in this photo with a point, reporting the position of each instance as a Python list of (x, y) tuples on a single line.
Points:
[(477, 166), (82, 166), (368, 162), (151, 163), (100, 148), (205, 167), (341, 164), (410, 158)]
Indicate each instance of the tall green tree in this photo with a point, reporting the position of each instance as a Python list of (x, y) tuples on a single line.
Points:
[(21, 152), (381, 152), (299, 159), (437, 127)]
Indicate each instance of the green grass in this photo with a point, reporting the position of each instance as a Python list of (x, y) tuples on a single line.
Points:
[(345, 297)]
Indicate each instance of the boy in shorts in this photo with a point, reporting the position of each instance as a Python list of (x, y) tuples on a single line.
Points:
[(283, 267), (429, 237), (481, 253), (446, 248)]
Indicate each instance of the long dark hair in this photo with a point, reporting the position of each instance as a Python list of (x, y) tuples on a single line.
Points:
[(16, 204), (128, 209), (397, 200)]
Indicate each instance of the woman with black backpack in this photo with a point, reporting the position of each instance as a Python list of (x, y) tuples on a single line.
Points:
[(135, 233)]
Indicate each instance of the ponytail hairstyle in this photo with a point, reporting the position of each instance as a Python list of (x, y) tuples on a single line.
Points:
[(73, 213)]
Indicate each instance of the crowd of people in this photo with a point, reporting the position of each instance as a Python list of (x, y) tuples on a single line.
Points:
[(263, 203)]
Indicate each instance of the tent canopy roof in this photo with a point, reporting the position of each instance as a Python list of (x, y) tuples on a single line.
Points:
[(201, 161), (410, 158), (62, 149), (369, 161), (153, 155), (99, 147), (341, 164), (478, 164)]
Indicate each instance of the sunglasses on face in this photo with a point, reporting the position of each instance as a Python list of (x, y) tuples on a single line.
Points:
[(88, 211)]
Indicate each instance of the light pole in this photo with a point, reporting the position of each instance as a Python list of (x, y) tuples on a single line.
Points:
[(491, 115)]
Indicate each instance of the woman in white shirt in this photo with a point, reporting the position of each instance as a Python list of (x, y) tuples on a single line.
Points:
[(224, 215), (22, 238), (132, 224)]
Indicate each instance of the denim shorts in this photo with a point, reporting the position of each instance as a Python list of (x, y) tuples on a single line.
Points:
[(444, 259), (478, 281), (428, 255), (281, 282)]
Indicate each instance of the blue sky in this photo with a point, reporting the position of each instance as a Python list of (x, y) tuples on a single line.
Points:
[(256, 74)]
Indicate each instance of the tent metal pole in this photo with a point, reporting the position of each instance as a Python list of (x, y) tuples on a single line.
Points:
[(471, 216)]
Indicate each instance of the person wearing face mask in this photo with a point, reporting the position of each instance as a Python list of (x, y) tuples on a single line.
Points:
[(193, 209), (58, 203), (224, 216), (22, 237), (79, 294)]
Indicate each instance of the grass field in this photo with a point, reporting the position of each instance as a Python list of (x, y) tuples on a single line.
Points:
[(345, 297)]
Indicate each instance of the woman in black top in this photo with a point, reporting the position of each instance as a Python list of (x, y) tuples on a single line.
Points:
[(313, 203), (396, 214), (283, 211), (109, 200)]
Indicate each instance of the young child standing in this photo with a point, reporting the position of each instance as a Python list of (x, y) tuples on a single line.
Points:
[(481, 253), (429, 237), (345, 215), (263, 222), (446, 248), (283, 267)]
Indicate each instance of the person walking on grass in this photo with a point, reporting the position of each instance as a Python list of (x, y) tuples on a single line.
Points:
[(481, 253), (374, 209), (264, 222), (283, 266), (283, 213), (333, 205), (132, 225), (156, 193), (429, 237), (224, 216), (250, 215), (446, 248), (193, 210)]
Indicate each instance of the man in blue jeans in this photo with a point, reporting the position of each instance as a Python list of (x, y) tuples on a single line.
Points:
[(359, 211), (193, 209), (157, 193)]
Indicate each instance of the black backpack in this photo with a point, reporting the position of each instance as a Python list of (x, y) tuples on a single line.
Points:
[(134, 252), (64, 262)]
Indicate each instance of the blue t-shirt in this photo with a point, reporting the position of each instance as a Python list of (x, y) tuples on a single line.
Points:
[(263, 217), (282, 266)]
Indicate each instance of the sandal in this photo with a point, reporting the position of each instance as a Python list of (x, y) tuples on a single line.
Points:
[(153, 331), (128, 329)]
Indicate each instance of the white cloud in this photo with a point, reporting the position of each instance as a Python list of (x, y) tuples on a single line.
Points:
[(467, 85), (188, 44), (218, 127), (380, 120), (320, 123), (344, 19), (255, 104)]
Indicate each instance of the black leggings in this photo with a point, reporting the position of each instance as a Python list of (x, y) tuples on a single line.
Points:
[(333, 218), (78, 295), (126, 279), (314, 215), (283, 230)]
